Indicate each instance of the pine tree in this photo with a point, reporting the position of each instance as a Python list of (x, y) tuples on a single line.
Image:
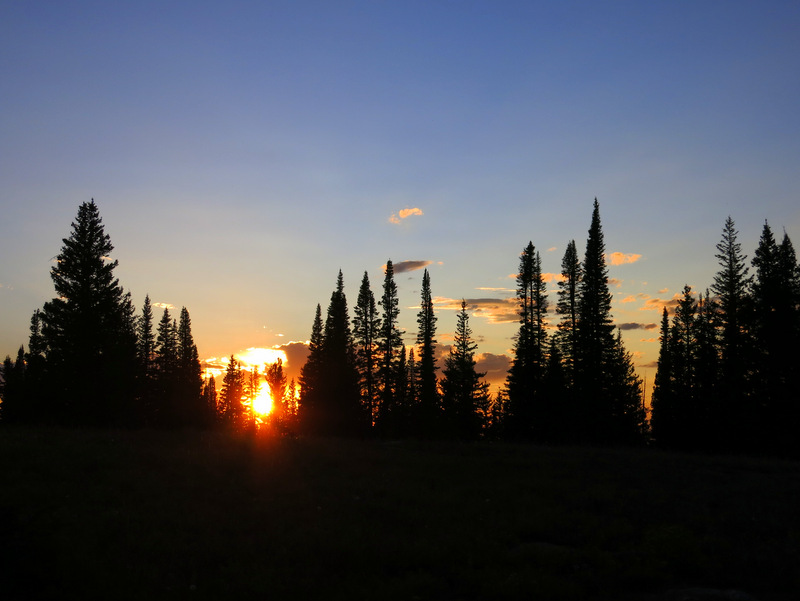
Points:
[(276, 380), (232, 412), (732, 287), (428, 393), (210, 401), (88, 329), (777, 335), (309, 411), (525, 377), (14, 408), (366, 325), (166, 372), (190, 407), (663, 399), (600, 360), (37, 384), (464, 393), (567, 308), (342, 409), (390, 347)]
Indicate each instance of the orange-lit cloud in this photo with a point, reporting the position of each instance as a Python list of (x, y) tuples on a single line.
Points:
[(663, 291), (631, 298), (495, 310), (615, 282), (293, 355), (553, 277), (618, 258), (658, 304), (405, 214), (164, 305), (404, 266), (552, 249)]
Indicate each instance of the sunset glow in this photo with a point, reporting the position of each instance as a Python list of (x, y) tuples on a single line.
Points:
[(262, 403)]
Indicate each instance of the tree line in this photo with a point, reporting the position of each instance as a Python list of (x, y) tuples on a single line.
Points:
[(724, 378), (575, 385), (728, 358)]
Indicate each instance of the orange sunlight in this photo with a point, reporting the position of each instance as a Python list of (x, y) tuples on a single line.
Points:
[(262, 403)]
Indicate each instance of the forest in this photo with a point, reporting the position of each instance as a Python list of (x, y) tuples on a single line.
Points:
[(723, 382)]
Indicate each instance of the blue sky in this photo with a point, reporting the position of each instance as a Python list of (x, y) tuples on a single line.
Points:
[(241, 153)]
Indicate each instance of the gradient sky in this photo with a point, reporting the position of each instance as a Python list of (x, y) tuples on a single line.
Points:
[(241, 153)]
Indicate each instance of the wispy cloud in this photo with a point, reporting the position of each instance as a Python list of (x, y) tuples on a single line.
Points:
[(164, 305), (405, 214), (631, 298), (404, 266), (636, 326), (658, 304), (495, 310), (552, 249), (618, 258)]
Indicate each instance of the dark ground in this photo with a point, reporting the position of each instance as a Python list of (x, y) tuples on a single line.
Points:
[(201, 515)]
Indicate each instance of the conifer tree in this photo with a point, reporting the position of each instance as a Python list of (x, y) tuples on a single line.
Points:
[(525, 377), (390, 347), (37, 385), (600, 360), (14, 408), (231, 409), (166, 374), (428, 392), (567, 308), (190, 407), (311, 378), (88, 329), (776, 329), (210, 401), (342, 409), (145, 354), (276, 380), (366, 326), (663, 399), (464, 393), (732, 287)]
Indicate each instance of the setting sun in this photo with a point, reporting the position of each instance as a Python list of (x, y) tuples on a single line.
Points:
[(262, 403)]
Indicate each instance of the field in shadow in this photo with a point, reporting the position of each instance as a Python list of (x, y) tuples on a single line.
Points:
[(206, 515)]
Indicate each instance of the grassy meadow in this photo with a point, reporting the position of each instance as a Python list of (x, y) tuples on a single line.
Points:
[(208, 515)]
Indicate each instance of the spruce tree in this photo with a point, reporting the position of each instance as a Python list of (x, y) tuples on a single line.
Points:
[(190, 406), (390, 347), (210, 401), (732, 287), (663, 419), (166, 374), (342, 409), (567, 308), (366, 325), (428, 393), (525, 376), (232, 411), (465, 396), (88, 329), (601, 398), (145, 354), (309, 411)]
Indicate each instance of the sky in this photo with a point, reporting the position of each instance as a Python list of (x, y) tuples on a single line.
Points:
[(242, 153)]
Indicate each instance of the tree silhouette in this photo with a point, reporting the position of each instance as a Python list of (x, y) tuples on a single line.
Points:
[(732, 287), (391, 353), (427, 389), (567, 308), (310, 410), (465, 396), (231, 409), (527, 368), (88, 329), (601, 400), (189, 400), (366, 325)]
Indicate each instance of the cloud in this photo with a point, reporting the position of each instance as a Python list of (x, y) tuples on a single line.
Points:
[(164, 305), (658, 304), (495, 310), (553, 277), (490, 289), (404, 214), (636, 326), (663, 291), (552, 249), (631, 298), (615, 282), (404, 266), (618, 258)]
